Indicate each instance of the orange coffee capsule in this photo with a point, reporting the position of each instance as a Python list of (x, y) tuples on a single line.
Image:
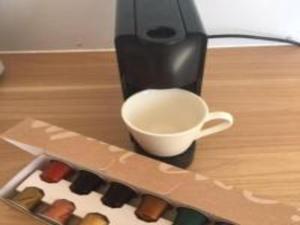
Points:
[(151, 208), (29, 198), (55, 171), (59, 212), (94, 219)]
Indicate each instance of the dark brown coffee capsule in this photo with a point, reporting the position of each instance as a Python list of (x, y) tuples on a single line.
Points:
[(94, 219), (117, 195), (55, 171), (29, 198), (151, 208), (59, 212), (86, 182), (187, 216)]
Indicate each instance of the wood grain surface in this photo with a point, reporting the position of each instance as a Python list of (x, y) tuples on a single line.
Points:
[(81, 91)]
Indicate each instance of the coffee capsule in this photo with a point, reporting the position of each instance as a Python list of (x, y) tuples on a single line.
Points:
[(55, 171), (59, 212), (151, 208), (187, 216), (117, 195), (86, 182), (94, 219), (29, 198)]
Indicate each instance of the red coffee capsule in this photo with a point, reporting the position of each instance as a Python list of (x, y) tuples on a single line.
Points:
[(59, 212), (55, 171)]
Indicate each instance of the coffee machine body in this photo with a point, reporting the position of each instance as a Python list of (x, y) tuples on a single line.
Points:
[(160, 44)]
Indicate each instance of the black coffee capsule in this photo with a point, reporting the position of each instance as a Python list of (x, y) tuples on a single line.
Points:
[(117, 195), (86, 182)]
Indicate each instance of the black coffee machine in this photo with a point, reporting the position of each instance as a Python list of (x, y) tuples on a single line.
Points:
[(160, 44)]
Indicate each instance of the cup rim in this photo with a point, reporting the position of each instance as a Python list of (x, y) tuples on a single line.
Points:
[(132, 126)]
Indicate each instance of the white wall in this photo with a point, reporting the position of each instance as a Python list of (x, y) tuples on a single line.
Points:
[(279, 18), (88, 24), (56, 24)]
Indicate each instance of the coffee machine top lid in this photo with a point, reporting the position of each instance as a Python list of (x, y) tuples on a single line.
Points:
[(158, 21)]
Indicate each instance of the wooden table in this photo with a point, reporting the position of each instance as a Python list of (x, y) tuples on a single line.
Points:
[(259, 86)]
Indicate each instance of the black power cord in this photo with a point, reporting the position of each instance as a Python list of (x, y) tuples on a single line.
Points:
[(257, 37)]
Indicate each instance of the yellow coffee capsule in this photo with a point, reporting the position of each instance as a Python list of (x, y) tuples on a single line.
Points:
[(94, 219), (29, 198)]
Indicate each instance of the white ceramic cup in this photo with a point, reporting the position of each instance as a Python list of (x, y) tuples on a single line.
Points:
[(166, 122)]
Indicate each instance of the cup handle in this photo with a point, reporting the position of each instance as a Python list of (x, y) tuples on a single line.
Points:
[(227, 123)]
